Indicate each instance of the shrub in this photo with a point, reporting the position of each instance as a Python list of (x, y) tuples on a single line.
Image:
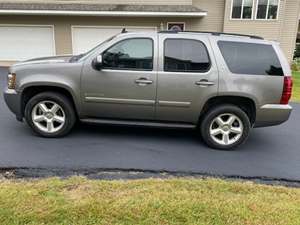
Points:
[(297, 51), (295, 66)]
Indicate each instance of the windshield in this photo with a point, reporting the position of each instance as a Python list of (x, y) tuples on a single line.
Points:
[(81, 56)]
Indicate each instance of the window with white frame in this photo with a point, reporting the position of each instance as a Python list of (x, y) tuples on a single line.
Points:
[(241, 9), (267, 9)]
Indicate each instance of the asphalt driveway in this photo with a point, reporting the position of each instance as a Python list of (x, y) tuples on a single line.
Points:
[(269, 152)]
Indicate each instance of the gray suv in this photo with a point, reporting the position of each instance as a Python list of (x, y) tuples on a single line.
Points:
[(221, 84)]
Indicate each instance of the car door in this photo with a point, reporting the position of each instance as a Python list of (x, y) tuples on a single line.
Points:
[(187, 76), (125, 86)]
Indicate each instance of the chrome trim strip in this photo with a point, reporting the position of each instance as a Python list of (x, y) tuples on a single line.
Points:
[(120, 101), (276, 106), (174, 104)]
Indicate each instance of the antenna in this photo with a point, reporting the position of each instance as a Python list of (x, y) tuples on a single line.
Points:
[(123, 30)]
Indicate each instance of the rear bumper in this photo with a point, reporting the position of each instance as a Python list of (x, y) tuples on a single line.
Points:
[(272, 114), (13, 101)]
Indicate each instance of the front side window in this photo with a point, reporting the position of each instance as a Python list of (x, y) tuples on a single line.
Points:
[(183, 55), (250, 58), (130, 54), (267, 9), (242, 9)]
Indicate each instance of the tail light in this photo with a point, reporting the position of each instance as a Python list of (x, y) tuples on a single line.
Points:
[(287, 90)]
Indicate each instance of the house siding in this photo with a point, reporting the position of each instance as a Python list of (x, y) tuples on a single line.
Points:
[(215, 17), (282, 30), (289, 27)]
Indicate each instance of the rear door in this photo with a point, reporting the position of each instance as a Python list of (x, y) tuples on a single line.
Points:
[(187, 77)]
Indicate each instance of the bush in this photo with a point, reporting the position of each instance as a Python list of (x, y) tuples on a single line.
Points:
[(295, 66), (297, 51)]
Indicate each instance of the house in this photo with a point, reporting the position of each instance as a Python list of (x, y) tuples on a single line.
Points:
[(36, 28)]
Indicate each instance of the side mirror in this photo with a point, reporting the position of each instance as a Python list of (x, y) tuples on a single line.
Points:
[(97, 62)]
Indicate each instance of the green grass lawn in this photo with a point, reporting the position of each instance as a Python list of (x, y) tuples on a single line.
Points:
[(154, 201), (296, 87)]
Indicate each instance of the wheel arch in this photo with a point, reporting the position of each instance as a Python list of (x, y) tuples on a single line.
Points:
[(247, 104), (31, 90)]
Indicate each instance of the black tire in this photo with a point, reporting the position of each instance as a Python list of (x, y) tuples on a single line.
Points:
[(63, 102), (214, 113)]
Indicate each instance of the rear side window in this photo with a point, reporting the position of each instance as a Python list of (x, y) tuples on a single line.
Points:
[(251, 58), (183, 55)]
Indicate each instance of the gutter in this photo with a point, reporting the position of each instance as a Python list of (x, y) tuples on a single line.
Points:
[(102, 13)]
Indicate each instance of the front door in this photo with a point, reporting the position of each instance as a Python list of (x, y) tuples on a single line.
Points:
[(125, 86), (187, 76)]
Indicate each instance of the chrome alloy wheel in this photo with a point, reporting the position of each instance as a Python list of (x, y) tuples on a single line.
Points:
[(48, 116), (226, 129)]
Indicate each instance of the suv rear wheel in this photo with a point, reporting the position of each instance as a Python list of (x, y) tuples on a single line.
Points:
[(225, 127), (50, 114)]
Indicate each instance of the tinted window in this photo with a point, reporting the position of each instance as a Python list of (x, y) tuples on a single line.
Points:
[(249, 58), (183, 55), (136, 54)]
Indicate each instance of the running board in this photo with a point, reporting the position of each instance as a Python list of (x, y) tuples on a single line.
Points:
[(139, 123)]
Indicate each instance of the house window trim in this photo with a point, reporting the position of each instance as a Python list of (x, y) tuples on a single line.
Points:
[(241, 18), (268, 6)]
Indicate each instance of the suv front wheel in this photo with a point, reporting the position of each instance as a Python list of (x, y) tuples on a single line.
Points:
[(225, 127), (50, 114)]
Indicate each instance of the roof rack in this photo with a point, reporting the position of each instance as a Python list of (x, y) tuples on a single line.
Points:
[(212, 33)]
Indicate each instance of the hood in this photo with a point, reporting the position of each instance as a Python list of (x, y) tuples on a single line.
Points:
[(46, 60)]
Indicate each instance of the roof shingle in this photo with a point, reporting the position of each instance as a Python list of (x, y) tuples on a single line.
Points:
[(99, 7)]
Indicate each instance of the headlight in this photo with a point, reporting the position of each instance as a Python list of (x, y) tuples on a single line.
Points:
[(11, 81)]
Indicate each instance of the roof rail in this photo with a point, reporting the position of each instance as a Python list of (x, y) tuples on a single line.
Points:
[(212, 33)]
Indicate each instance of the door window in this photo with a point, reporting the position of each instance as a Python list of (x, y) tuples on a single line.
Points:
[(130, 54), (184, 55)]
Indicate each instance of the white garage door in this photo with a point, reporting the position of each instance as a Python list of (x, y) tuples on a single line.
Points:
[(87, 37), (25, 42)]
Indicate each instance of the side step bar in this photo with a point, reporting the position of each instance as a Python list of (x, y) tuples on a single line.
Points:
[(139, 123)]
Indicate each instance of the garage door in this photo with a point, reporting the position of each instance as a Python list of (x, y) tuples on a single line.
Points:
[(25, 42), (85, 38)]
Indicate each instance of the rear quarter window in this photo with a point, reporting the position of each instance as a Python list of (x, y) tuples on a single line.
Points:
[(250, 58)]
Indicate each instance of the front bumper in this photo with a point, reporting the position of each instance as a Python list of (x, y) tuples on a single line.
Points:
[(272, 114), (13, 101)]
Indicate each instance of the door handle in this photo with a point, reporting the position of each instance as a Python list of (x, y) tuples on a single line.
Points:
[(143, 81), (204, 83)]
